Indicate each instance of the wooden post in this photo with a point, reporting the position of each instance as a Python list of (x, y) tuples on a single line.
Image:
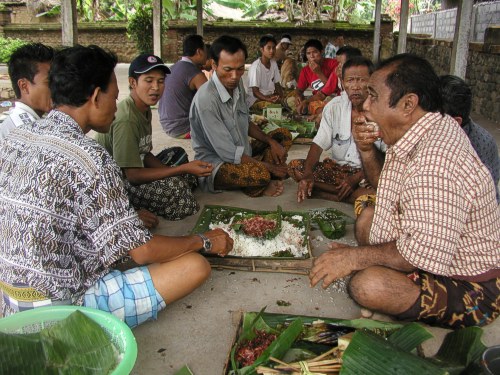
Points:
[(403, 26), (376, 31), (199, 17), (460, 50), (69, 23), (157, 28)]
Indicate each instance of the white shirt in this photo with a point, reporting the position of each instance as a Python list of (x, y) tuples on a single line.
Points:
[(19, 115), (262, 78), (335, 132)]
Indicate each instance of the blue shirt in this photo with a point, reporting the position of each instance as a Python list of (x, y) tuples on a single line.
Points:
[(219, 127)]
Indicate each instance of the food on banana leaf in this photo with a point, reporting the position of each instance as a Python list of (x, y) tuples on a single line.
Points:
[(332, 229), (260, 226), (324, 333), (250, 350)]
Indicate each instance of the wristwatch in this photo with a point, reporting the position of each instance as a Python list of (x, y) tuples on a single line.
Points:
[(207, 244)]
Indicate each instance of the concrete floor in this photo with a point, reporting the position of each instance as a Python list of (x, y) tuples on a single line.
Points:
[(198, 330)]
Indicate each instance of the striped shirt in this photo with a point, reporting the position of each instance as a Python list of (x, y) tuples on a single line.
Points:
[(437, 201)]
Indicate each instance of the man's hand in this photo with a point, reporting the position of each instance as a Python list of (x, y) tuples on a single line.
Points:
[(278, 152), (273, 98), (305, 188), (277, 170), (345, 188), (198, 168), (222, 244), (365, 133), (149, 219), (338, 262), (301, 105)]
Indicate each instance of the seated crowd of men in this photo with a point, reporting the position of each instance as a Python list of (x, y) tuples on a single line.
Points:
[(422, 175)]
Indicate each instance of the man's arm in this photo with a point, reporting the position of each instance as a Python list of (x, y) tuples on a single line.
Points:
[(277, 151), (306, 183), (155, 170), (268, 98), (197, 81), (372, 159), (162, 249), (342, 260)]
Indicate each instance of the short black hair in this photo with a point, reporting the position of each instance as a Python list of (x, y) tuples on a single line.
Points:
[(77, 71), (349, 52), (266, 39), (412, 74), (191, 44), (358, 61), (208, 51), (457, 97), (229, 44), (286, 36), (23, 63), (313, 43)]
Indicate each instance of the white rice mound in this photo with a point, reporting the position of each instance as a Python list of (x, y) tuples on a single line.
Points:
[(290, 238)]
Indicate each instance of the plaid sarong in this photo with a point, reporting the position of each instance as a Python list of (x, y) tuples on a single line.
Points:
[(129, 295)]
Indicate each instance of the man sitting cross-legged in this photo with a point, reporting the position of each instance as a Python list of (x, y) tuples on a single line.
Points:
[(66, 219), (162, 183), (264, 78), (220, 127), (340, 178), (428, 250)]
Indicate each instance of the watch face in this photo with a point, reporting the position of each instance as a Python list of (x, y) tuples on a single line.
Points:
[(207, 244)]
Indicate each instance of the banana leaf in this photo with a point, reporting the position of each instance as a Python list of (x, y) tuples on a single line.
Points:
[(410, 336), (185, 370), (333, 229), (461, 350), (369, 353), (76, 344), (329, 214)]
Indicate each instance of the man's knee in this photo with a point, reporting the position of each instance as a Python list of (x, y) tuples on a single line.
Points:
[(199, 267), (363, 225), (362, 284)]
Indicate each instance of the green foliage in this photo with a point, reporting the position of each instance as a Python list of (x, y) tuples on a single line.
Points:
[(8, 46), (140, 29)]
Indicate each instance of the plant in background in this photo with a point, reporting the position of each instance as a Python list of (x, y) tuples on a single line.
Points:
[(140, 29), (8, 46)]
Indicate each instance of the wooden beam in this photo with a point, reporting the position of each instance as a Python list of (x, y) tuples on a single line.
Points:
[(157, 28), (69, 23), (460, 50), (376, 31), (403, 26), (199, 17)]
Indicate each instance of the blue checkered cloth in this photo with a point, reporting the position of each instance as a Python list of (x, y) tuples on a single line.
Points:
[(130, 296)]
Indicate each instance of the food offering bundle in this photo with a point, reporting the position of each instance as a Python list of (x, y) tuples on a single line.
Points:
[(298, 125), (260, 234), (286, 344), (331, 222)]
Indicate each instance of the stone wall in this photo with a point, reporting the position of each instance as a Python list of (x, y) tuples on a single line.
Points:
[(360, 36), (109, 35), (483, 70)]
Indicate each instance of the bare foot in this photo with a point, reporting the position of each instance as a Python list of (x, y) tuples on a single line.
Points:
[(366, 313), (274, 189), (320, 194)]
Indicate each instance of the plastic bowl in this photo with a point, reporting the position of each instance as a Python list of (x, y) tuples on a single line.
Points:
[(491, 360), (32, 321)]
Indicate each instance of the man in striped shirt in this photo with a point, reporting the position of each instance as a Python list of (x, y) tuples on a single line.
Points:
[(430, 248)]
